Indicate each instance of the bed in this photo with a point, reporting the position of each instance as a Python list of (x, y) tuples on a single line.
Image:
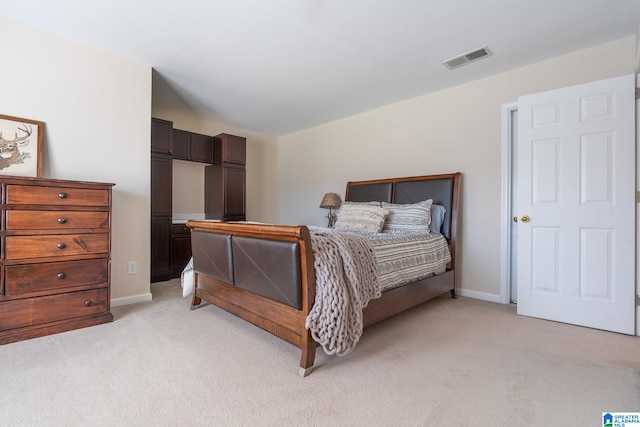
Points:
[(268, 274)]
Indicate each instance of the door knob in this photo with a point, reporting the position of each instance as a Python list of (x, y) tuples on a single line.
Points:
[(525, 219)]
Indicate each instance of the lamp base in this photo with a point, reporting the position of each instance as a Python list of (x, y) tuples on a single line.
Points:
[(332, 218)]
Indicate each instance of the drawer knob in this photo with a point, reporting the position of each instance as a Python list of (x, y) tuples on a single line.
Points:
[(61, 275), (61, 245), (62, 195), (62, 220), (88, 303)]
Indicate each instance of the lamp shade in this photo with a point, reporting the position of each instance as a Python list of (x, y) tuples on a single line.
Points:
[(330, 200)]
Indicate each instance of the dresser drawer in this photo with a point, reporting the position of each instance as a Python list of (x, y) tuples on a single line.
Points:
[(21, 279), (20, 247), (58, 196), (35, 311), (41, 220)]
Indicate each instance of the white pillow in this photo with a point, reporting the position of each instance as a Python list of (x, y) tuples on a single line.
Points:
[(409, 218), (360, 217)]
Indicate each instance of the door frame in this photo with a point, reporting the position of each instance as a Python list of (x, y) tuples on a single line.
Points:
[(505, 211)]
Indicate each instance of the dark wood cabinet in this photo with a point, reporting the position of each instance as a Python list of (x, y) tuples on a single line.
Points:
[(225, 180), (55, 237), (225, 197), (161, 136), (230, 149), (161, 179), (202, 148), (225, 189), (161, 212), (181, 144), (180, 248), (160, 249), (192, 146)]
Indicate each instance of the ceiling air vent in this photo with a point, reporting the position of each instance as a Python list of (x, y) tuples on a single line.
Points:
[(466, 58)]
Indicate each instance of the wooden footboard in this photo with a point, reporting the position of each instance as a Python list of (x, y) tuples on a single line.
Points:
[(260, 272)]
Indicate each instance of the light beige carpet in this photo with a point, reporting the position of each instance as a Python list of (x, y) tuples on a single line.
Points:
[(458, 362)]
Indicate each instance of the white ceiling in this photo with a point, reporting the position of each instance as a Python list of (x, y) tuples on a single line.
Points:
[(278, 66)]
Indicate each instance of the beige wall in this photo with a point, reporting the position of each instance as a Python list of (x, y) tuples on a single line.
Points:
[(96, 109), (454, 130)]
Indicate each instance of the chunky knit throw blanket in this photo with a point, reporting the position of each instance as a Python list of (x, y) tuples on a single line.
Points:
[(346, 280)]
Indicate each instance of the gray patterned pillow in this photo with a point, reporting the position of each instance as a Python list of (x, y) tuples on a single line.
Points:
[(411, 218), (343, 204), (360, 217)]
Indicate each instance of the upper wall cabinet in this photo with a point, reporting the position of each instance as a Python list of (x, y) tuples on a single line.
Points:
[(192, 146), (181, 144), (202, 148), (230, 149), (161, 136)]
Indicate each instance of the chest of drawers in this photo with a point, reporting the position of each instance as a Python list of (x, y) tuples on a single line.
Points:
[(55, 256)]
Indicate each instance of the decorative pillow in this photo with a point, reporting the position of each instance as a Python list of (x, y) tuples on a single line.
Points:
[(360, 217), (437, 218), (410, 218), (372, 203), (343, 204)]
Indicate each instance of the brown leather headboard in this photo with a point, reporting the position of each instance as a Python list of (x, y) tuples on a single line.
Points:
[(378, 192), (443, 189)]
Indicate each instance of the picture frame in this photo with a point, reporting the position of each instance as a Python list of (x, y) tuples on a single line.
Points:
[(21, 142)]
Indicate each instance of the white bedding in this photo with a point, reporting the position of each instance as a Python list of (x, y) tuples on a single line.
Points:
[(187, 279)]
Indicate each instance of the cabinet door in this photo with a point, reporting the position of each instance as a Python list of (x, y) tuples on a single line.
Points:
[(230, 149), (181, 252), (160, 249), (181, 144), (234, 192), (161, 185), (201, 148), (161, 136)]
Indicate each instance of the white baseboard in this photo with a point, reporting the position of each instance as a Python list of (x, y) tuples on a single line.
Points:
[(479, 295), (115, 302)]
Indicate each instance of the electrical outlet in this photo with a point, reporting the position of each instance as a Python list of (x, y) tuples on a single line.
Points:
[(132, 267)]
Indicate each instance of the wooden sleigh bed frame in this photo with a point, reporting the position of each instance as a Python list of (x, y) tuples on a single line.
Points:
[(264, 273)]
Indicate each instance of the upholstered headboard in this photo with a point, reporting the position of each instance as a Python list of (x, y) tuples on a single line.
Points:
[(443, 189)]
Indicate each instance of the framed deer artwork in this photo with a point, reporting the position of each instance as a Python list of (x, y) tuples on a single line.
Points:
[(20, 146)]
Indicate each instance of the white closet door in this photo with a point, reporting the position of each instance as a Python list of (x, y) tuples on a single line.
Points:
[(576, 205)]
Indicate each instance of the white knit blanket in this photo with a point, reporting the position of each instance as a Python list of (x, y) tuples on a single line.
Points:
[(346, 280)]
